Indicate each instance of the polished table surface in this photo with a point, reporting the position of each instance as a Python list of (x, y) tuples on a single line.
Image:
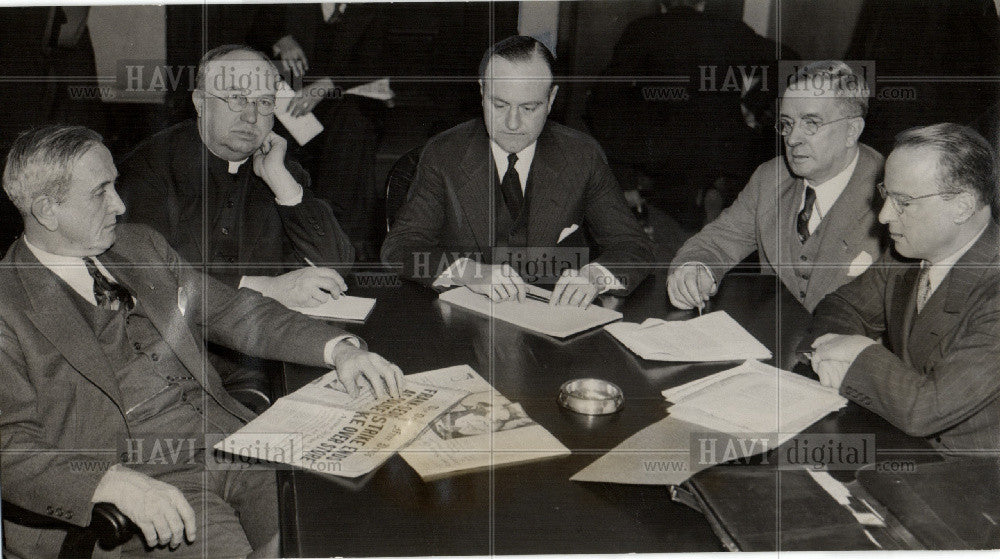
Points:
[(533, 508)]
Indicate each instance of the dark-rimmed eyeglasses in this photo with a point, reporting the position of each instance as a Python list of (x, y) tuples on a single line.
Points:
[(900, 202), (809, 126), (237, 103)]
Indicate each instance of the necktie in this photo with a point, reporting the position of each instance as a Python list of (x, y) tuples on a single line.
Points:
[(510, 186), (923, 287), (802, 223), (109, 294)]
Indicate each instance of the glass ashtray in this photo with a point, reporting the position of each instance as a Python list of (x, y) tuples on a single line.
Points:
[(591, 396)]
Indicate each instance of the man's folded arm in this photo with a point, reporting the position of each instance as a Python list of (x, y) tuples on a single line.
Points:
[(959, 385), (312, 228), (857, 307), (731, 237), (626, 251)]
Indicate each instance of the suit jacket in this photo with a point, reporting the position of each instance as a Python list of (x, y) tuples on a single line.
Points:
[(937, 373), (763, 219), (171, 182), (448, 207), (58, 390)]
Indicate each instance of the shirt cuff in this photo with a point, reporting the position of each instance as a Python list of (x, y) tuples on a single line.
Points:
[(447, 277), (293, 199), (703, 265), (330, 345), (608, 283)]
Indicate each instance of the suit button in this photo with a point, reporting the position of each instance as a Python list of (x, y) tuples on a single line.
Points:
[(802, 294), (803, 258), (69, 515), (230, 204), (937, 439), (231, 259), (805, 276), (49, 510), (154, 357), (225, 230)]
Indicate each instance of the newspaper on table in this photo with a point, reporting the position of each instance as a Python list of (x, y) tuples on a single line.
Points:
[(320, 427), (713, 337), (483, 430)]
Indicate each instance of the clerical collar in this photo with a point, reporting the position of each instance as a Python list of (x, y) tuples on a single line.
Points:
[(234, 166)]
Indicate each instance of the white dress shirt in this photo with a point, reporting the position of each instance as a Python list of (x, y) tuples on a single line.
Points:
[(828, 192)]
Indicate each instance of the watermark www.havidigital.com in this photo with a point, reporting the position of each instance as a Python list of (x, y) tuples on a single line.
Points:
[(532, 264), (819, 451)]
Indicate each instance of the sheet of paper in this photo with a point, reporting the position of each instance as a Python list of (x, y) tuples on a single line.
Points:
[(344, 308), (536, 316), (712, 337), (302, 128), (485, 429), (378, 89), (755, 398)]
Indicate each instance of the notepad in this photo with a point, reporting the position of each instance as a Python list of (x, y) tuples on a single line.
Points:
[(712, 337), (534, 315), (302, 128), (378, 89), (344, 308)]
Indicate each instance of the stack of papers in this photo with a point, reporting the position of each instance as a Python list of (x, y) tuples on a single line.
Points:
[(754, 398), (344, 308), (302, 128), (537, 316), (713, 337)]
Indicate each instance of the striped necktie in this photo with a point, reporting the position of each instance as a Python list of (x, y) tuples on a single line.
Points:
[(109, 294)]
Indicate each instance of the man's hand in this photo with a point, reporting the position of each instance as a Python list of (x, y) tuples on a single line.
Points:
[(269, 165), (833, 355), (498, 282), (690, 286), (293, 58), (158, 509), (575, 289), (309, 96), (305, 287), (355, 367)]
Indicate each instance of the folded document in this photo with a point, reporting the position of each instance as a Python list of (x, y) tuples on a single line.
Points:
[(713, 337), (345, 307)]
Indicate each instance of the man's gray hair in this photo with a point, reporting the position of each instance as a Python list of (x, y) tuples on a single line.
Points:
[(40, 162), (831, 77), (219, 52)]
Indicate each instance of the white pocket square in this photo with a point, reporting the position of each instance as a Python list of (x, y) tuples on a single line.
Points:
[(567, 232), (860, 264)]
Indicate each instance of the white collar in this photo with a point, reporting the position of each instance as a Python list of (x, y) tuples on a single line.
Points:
[(939, 270), (523, 165), (70, 269), (234, 166)]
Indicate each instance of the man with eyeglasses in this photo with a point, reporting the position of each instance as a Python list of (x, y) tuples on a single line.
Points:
[(225, 195), (916, 338), (809, 214)]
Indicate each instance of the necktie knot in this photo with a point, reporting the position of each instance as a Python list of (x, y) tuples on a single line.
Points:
[(108, 294), (511, 160)]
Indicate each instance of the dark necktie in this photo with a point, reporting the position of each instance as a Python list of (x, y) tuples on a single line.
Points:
[(109, 294), (802, 223), (510, 186), (923, 287)]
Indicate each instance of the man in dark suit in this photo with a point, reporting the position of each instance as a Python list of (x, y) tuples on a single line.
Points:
[(809, 214), (934, 302), (461, 218), (224, 193), (100, 346)]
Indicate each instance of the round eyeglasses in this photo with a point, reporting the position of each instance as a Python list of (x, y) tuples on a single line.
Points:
[(900, 202), (238, 102), (809, 125)]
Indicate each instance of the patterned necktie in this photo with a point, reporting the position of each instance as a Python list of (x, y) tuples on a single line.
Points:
[(802, 223), (510, 186), (923, 286), (109, 294)]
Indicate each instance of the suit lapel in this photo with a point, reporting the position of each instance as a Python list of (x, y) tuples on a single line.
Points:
[(943, 310), (159, 297), (903, 305), (545, 219), (789, 202), (476, 194), (844, 218), (57, 318)]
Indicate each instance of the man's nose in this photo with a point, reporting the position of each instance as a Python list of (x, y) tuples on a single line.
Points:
[(794, 137), (249, 113), (887, 214), (513, 120), (115, 204)]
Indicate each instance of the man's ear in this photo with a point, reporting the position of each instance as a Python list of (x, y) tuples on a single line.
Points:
[(482, 88), (552, 95), (965, 207), (198, 100), (43, 210), (855, 129)]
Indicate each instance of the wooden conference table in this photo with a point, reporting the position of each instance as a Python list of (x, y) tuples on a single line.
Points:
[(533, 508)]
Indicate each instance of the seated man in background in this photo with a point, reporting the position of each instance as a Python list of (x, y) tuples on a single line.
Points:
[(464, 225), (810, 214), (224, 194), (934, 302), (100, 331)]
